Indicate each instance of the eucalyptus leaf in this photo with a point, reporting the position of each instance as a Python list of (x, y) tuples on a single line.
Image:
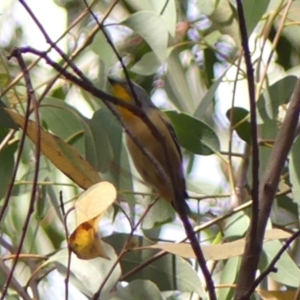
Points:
[(148, 24), (168, 272), (6, 120), (277, 94), (162, 212), (288, 272), (88, 275), (207, 100), (7, 166), (294, 169), (138, 289), (193, 134), (147, 65), (239, 118), (64, 121), (228, 277), (253, 11)]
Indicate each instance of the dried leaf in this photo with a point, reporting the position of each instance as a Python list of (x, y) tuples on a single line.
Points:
[(85, 241), (62, 155), (276, 295), (94, 201), (216, 252)]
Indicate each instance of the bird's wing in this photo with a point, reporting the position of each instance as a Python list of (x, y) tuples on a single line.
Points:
[(172, 132)]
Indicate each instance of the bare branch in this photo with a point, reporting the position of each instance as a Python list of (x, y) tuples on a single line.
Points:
[(267, 192)]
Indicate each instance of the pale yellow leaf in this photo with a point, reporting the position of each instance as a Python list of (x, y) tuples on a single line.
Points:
[(94, 201), (216, 252), (85, 241), (276, 295), (276, 234)]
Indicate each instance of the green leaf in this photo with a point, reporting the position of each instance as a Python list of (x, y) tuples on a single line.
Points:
[(253, 11), (224, 20), (289, 32), (236, 225), (6, 120), (207, 7), (294, 169), (264, 155), (64, 121), (238, 117), (7, 166), (28, 174), (228, 277), (102, 155), (207, 100), (167, 9), (268, 130), (148, 24), (288, 272), (140, 5), (53, 199), (68, 123), (42, 203), (193, 134), (177, 86), (160, 213), (138, 289), (108, 136), (103, 50), (147, 65), (277, 94), (87, 275), (168, 272), (287, 203)]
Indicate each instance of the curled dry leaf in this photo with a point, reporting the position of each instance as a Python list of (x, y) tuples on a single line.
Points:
[(85, 241)]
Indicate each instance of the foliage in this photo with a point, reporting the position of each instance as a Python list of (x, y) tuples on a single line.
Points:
[(60, 137)]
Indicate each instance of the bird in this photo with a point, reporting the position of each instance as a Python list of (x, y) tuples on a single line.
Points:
[(163, 169)]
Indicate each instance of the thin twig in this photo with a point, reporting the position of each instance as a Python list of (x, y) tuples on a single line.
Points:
[(31, 100), (14, 283), (20, 76), (67, 278), (230, 167), (123, 251), (271, 266), (251, 246), (51, 43), (111, 44), (274, 45)]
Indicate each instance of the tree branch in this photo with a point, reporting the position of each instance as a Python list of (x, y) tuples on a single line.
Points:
[(267, 193)]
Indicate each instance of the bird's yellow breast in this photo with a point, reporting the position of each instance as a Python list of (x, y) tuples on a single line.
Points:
[(121, 93)]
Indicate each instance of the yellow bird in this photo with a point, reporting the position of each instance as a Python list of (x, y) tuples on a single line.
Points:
[(170, 184)]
